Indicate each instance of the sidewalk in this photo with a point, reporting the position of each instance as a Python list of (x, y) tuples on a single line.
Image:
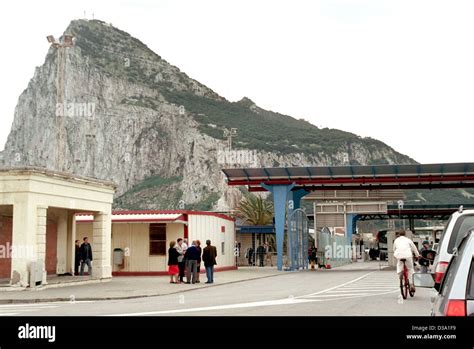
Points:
[(126, 287)]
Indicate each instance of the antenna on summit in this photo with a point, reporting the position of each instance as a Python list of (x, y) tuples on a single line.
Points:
[(229, 134)]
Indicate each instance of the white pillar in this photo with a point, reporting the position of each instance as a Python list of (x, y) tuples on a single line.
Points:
[(62, 241), (71, 233), (101, 245), (23, 240), (41, 221)]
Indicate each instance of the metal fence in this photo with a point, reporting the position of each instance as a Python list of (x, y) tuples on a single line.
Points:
[(333, 250), (297, 241)]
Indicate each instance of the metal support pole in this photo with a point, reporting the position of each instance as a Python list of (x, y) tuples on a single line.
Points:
[(280, 197)]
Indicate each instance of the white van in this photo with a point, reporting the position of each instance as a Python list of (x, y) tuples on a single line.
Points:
[(459, 224)]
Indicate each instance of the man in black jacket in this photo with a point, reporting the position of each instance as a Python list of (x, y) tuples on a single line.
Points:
[(86, 256), (191, 256)]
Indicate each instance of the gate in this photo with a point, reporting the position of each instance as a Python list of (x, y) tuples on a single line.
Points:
[(297, 241)]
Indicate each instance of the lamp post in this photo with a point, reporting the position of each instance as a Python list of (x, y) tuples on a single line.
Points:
[(401, 204), (400, 208)]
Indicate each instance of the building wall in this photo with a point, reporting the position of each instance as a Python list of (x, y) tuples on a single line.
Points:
[(65, 243), (51, 247), (135, 237), (6, 244), (203, 227)]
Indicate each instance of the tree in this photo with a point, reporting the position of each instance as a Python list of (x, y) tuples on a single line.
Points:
[(254, 210)]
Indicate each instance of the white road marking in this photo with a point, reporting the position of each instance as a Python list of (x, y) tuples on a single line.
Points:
[(367, 288), (338, 286), (286, 301), (363, 286), (30, 305), (224, 307), (339, 297), (342, 295), (6, 309), (359, 290)]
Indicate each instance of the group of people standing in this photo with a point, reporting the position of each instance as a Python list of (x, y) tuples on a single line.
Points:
[(186, 260), (263, 254)]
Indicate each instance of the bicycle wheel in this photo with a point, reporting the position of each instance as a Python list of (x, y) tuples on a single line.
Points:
[(410, 291), (403, 288)]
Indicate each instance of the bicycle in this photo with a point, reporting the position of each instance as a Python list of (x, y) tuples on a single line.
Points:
[(405, 288)]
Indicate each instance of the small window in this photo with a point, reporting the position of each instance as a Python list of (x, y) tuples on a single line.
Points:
[(222, 248), (157, 239)]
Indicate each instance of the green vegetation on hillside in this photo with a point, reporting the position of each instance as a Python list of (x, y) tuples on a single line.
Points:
[(440, 197), (205, 205), (266, 130), (152, 193), (153, 182), (107, 47)]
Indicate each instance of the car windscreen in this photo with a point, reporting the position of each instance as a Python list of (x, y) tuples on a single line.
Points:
[(470, 282), (460, 230), (443, 234)]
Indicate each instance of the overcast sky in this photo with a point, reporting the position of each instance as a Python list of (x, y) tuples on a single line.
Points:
[(399, 71)]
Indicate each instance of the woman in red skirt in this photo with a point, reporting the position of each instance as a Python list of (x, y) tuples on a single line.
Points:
[(173, 269)]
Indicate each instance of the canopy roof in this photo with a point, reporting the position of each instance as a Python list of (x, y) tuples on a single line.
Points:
[(417, 176)]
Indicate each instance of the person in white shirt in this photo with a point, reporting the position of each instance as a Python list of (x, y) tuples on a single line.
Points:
[(404, 248)]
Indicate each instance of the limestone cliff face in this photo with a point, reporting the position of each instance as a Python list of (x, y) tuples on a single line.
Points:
[(132, 118)]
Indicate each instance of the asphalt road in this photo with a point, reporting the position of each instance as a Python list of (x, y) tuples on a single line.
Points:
[(309, 293)]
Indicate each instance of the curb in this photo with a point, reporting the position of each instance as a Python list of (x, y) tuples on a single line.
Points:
[(79, 299)]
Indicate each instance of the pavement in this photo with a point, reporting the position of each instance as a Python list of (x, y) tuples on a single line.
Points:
[(359, 289)]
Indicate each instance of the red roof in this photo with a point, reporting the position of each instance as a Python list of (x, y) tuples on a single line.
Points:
[(156, 212)]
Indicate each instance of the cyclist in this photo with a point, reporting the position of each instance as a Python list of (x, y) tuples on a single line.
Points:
[(404, 248)]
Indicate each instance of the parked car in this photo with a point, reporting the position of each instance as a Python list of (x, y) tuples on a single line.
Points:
[(458, 225), (456, 293)]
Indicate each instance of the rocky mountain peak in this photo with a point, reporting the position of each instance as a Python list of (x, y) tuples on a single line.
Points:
[(129, 116)]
